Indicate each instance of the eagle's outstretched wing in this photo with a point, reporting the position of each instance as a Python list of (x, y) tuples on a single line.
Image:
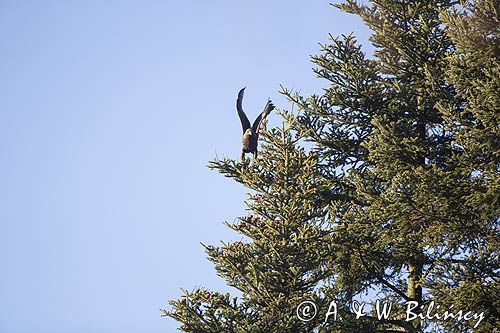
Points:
[(267, 110), (245, 124)]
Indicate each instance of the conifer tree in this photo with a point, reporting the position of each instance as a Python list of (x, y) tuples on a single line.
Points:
[(386, 186)]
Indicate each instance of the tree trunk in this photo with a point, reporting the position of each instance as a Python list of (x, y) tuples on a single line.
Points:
[(415, 290)]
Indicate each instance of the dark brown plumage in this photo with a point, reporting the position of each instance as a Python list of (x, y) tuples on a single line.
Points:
[(251, 133)]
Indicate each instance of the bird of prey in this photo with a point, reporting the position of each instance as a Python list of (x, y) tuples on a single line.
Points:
[(251, 133)]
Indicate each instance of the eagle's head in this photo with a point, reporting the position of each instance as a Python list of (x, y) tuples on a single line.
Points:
[(248, 132)]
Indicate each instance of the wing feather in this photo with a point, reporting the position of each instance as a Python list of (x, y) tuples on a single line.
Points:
[(245, 124), (267, 110)]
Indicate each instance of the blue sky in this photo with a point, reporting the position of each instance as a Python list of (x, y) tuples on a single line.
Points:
[(109, 113)]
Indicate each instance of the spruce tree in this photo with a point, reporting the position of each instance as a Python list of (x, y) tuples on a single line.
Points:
[(386, 186)]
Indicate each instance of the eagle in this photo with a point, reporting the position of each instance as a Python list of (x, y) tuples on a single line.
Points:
[(251, 133)]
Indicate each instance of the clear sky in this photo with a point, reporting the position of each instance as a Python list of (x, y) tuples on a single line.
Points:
[(109, 113)]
